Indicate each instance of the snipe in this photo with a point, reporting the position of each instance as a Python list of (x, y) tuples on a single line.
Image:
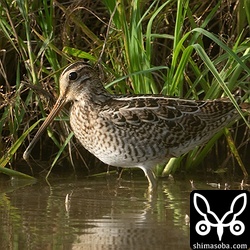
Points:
[(134, 131)]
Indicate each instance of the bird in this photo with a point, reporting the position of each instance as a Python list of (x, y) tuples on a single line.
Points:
[(138, 131)]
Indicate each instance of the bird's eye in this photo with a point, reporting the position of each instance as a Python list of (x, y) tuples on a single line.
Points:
[(72, 76)]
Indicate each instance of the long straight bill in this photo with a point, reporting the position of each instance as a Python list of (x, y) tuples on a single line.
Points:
[(58, 106)]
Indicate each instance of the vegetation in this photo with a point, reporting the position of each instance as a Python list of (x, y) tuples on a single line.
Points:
[(186, 48)]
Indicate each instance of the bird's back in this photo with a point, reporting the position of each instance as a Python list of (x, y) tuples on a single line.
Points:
[(177, 125)]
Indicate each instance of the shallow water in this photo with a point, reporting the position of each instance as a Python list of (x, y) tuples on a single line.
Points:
[(100, 213)]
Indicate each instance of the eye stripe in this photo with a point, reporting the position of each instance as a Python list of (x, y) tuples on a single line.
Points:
[(85, 77)]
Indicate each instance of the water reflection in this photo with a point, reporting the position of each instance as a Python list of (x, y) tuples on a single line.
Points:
[(99, 214)]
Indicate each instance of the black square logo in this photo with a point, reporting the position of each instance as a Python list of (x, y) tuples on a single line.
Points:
[(219, 219)]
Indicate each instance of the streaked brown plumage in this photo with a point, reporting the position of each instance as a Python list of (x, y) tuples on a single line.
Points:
[(134, 131)]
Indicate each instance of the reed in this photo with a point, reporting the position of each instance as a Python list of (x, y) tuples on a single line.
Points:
[(185, 48)]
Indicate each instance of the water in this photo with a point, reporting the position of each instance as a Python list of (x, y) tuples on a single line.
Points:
[(100, 213)]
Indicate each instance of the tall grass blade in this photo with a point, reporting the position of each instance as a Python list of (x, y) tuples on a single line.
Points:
[(15, 174), (60, 152), (10, 153), (235, 152)]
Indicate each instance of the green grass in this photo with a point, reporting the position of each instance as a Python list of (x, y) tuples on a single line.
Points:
[(178, 48)]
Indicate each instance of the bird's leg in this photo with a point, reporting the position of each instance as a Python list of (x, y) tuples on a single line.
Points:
[(151, 177)]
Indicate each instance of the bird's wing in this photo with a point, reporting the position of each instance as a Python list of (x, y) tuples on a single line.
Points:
[(138, 110), (175, 121)]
